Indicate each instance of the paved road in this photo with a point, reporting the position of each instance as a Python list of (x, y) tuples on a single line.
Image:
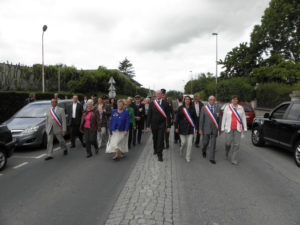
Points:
[(68, 190), (263, 189)]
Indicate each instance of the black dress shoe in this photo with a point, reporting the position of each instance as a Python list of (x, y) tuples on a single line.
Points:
[(212, 161), (204, 154), (89, 155), (48, 158), (160, 158), (154, 153), (65, 152)]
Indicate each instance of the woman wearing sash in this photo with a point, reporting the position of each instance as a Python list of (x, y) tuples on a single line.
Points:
[(233, 124), (119, 125), (185, 126)]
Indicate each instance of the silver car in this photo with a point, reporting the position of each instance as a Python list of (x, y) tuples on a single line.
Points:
[(28, 125)]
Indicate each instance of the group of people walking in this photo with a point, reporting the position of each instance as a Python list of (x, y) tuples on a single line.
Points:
[(119, 125)]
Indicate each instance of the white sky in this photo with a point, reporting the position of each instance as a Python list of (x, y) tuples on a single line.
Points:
[(164, 39)]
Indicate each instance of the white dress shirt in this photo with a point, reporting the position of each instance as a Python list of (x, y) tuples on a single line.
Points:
[(74, 110), (197, 108)]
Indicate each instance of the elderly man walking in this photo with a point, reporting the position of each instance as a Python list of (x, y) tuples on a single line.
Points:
[(209, 127), (55, 126), (159, 120)]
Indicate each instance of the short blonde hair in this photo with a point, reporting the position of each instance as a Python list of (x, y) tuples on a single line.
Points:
[(120, 101)]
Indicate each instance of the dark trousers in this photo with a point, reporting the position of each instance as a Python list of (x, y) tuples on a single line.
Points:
[(130, 135), (167, 135), (138, 131), (158, 140), (197, 139), (90, 139), (75, 133), (176, 137)]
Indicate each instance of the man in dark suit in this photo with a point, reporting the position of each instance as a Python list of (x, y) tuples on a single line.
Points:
[(74, 111), (198, 106), (167, 134), (139, 113), (159, 120)]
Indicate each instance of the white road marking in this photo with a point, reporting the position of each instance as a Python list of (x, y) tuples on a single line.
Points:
[(22, 157), (20, 165), (40, 156), (1, 174)]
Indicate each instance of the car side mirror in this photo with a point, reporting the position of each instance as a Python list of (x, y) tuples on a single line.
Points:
[(267, 115)]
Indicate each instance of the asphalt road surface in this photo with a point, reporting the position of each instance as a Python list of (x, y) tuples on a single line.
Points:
[(263, 189)]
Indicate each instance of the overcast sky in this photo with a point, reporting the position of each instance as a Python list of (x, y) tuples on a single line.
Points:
[(164, 39)]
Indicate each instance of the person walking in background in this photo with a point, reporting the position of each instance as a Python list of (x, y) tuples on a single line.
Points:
[(85, 99), (94, 98), (176, 104), (74, 111), (233, 124), (132, 125), (55, 96), (198, 106), (139, 120), (55, 126), (31, 98), (147, 103), (119, 126), (209, 127), (159, 120), (101, 115), (89, 126), (113, 103), (185, 126), (167, 134)]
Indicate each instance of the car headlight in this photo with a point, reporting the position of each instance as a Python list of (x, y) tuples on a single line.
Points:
[(31, 130)]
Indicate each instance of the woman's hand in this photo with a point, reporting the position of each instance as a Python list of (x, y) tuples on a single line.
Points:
[(177, 130), (125, 133), (134, 128)]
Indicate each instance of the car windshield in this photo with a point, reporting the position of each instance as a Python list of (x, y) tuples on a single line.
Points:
[(33, 110), (247, 108)]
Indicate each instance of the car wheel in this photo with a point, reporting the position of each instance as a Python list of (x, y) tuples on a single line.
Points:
[(44, 142), (256, 137), (3, 160), (297, 153)]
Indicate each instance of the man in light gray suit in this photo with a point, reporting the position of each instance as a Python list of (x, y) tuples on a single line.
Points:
[(209, 127), (55, 126)]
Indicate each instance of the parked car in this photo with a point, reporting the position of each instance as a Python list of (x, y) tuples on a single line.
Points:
[(28, 125), (7, 146), (281, 127), (249, 111)]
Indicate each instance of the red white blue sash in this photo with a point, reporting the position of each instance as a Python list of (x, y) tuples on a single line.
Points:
[(236, 114), (159, 108), (212, 116), (55, 117), (188, 116)]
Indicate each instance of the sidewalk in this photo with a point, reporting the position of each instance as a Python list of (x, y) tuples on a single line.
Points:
[(150, 194)]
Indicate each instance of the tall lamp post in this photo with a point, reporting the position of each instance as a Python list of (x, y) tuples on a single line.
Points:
[(191, 81), (216, 34), (43, 72)]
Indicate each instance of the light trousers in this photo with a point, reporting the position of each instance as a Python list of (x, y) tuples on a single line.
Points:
[(50, 138), (186, 140), (232, 142), (101, 136)]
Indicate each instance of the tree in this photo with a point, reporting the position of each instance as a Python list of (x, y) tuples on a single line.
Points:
[(126, 68)]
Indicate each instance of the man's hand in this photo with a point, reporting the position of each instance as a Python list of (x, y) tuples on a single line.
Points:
[(168, 130), (134, 128), (138, 118), (177, 130), (148, 129), (125, 133), (64, 132), (200, 132)]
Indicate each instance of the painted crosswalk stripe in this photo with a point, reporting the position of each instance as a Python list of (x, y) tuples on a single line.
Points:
[(20, 165)]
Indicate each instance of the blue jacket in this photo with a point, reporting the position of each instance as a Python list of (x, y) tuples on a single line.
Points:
[(119, 121)]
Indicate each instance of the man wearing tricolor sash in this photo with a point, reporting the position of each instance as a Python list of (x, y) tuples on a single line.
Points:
[(159, 120), (209, 127), (234, 124), (55, 126)]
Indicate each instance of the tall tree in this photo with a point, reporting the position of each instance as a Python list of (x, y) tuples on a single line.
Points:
[(126, 68)]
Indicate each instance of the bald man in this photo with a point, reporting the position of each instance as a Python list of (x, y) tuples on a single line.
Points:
[(209, 127), (159, 120)]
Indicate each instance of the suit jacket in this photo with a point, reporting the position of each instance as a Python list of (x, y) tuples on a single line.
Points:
[(119, 121), (51, 124), (200, 105), (182, 123), (206, 124), (139, 110), (78, 114), (155, 119)]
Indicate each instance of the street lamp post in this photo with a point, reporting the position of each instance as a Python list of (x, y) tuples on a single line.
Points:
[(191, 81), (216, 34), (43, 72)]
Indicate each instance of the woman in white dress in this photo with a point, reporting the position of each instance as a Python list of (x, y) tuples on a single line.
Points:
[(119, 125)]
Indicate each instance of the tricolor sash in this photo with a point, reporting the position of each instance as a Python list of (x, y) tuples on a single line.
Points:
[(212, 116), (236, 114), (55, 117), (188, 116), (159, 108)]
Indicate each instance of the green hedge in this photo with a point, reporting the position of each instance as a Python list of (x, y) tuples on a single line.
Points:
[(271, 94)]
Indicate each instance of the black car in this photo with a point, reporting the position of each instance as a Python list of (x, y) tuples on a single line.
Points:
[(7, 146), (28, 125), (281, 127)]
